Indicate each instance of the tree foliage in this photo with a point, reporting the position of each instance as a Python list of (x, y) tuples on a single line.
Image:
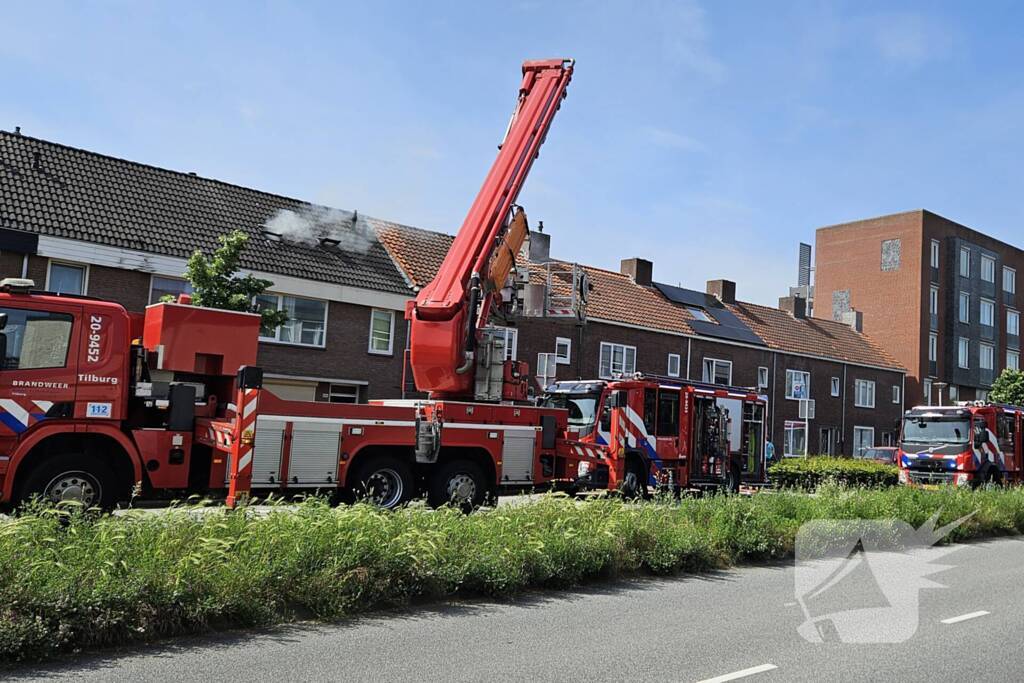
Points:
[(1008, 388), (216, 283)]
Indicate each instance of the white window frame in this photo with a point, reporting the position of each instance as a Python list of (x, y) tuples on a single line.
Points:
[(714, 369), (861, 429), (762, 377), (835, 387), (1012, 360), (391, 333), (868, 387), (546, 369), (954, 393), (986, 353), (84, 267), (336, 390), (963, 353), (509, 333), (935, 254), (965, 262), (896, 393), (788, 440), (1013, 328), (678, 361), (276, 339), (1009, 278), (566, 358), (933, 300), (987, 304), (990, 262), (789, 384), (927, 386), (964, 308), (933, 347), (611, 346)]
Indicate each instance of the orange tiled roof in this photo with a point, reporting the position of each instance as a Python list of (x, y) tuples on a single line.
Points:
[(616, 298)]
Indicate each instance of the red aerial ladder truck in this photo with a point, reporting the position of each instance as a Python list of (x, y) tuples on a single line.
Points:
[(94, 402)]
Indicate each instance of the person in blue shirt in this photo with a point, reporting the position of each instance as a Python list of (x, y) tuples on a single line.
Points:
[(769, 453)]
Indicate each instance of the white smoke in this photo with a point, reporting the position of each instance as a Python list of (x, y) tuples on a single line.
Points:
[(314, 225)]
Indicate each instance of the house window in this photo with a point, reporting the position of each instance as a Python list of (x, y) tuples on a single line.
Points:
[(717, 371), (864, 396), (66, 278), (965, 262), (563, 350), (895, 394), (343, 393), (616, 359), (987, 315), (762, 378), (307, 320), (933, 301), (1013, 360), (160, 286), (988, 357), (700, 314), (965, 307), (964, 353), (834, 385), (796, 439), (954, 393), (798, 384), (863, 439), (382, 331), (547, 369), (935, 253), (988, 268), (933, 347), (508, 335), (927, 392), (983, 395), (673, 364), (1012, 322), (1009, 280)]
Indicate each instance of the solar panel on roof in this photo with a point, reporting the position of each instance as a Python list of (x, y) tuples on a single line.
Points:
[(727, 325)]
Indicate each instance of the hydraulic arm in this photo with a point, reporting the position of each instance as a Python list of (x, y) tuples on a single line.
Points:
[(446, 318)]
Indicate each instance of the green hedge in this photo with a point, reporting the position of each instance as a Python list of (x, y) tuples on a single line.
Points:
[(69, 581), (809, 473)]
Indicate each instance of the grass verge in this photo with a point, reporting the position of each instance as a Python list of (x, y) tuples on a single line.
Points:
[(70, 580)]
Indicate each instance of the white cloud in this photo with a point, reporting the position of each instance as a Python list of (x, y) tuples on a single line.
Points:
[(662, 137)]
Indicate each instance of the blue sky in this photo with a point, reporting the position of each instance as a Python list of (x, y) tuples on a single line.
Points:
[(708, 137)]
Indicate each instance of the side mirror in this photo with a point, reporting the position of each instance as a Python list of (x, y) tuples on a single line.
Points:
[(979, 439), (617, 399), (606, 418)]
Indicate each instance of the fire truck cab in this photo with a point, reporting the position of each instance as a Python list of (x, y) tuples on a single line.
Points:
[(964, 445), (664, 432)]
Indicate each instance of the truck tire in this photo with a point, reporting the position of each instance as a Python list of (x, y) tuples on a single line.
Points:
[(460, 483), (732, 480), (634, 480), (73, 477), (384, 481)]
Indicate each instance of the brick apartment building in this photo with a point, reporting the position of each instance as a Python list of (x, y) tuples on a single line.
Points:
[(938, 296), (83, 223)]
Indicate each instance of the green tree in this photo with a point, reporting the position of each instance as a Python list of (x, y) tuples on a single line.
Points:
[(216, 283), (1008, 388)]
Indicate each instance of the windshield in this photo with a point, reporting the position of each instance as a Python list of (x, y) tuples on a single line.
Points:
[(932, 430), (875, 454), (582, 407)]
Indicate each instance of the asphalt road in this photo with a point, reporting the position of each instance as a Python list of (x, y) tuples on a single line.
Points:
[(685, 629)]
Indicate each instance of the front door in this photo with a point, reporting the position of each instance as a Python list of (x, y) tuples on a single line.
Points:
[(828, 441)]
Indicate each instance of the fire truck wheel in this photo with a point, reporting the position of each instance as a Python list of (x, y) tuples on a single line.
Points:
[(732, 480), (384, 481), (72, 477), (460, 483), (634, 481)]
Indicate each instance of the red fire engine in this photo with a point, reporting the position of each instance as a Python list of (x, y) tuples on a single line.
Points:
[(964, 445), (94, 402)]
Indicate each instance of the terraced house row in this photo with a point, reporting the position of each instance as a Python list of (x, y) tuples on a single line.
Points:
[(83, 223)]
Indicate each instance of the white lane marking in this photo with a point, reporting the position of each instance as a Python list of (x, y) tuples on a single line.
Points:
[(965, 617), (740, 674)]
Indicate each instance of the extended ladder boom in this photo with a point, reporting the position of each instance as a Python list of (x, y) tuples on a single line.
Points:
[(447, 313)]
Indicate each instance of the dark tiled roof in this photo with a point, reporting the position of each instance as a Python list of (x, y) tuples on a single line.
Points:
[(60, 191), (617, 298)]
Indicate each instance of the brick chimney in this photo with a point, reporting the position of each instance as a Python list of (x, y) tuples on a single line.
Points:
[(854, 319), (641, 271), (794, 305), (723, 290)]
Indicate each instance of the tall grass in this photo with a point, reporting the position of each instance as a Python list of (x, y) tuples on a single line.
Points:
[(71, 580)]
